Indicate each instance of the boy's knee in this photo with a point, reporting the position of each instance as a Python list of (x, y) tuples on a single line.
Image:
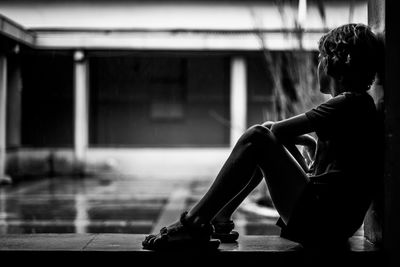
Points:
[(256, 133), (258, 129)]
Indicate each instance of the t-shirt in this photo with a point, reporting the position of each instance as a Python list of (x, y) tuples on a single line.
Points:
[(347, 164), (349, 138)]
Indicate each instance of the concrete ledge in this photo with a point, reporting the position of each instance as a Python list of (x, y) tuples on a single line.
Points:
[(113, 248)]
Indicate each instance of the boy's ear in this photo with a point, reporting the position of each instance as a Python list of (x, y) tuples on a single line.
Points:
[(337, 68), (334, 67)]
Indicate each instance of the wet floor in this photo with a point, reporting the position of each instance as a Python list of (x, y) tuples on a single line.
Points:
[(112, 205)]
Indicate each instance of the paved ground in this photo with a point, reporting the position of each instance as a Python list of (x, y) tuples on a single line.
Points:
[(112, 205), (119, 249)]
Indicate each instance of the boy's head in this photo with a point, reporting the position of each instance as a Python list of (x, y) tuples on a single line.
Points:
[(351, 53)]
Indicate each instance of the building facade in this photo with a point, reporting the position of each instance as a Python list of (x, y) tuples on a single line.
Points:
[(159, 88)]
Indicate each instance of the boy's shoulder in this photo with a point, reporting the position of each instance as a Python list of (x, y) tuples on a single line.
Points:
[(348, 102), (351, 97), (337, 100)]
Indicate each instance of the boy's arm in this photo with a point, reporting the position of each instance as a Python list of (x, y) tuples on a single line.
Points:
[(293, 131)]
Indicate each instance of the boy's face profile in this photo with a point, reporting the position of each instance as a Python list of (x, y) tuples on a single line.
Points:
[(324, 79)]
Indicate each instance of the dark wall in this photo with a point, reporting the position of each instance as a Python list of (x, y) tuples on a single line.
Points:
[(159, 101), (260, 88), (47, 103), (391, 233)]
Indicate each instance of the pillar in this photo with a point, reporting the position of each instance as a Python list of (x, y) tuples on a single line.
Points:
[(373, 223), (14, 90), (80, 108), (238, 108), (391, 230), (3, 110)]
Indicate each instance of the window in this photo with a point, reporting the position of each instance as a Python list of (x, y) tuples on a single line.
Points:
[(152, 100)]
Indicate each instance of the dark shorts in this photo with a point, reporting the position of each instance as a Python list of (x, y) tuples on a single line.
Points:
[(322, 214)]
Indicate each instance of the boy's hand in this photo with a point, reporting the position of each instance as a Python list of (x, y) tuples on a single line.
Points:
[(268, 124)]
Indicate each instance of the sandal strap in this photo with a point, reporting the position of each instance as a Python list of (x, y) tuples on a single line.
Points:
[(224, 227), (197, 233), (205, 229)]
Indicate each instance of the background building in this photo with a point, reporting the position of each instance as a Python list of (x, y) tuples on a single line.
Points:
[(152, 88)]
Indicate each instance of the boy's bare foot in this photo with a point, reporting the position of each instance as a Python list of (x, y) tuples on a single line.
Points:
[(182, 235)]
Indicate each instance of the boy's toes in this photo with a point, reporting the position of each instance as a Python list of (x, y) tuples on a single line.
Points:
[(148, 241), (147, 238), (154, 241)]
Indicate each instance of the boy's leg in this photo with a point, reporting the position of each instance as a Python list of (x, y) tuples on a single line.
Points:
[(226, 213), (223, 223), (286, 179), (256, 148)]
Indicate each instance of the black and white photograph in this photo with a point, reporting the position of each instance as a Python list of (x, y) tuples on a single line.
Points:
[(200, 133)]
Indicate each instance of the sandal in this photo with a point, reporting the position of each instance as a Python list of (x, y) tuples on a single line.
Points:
[(182, 235), (224, 232)]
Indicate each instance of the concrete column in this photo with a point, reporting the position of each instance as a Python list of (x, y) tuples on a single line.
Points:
[(3, 110), (80, 108), (373, 223), (238, 99), (14, 89), (391, 230)]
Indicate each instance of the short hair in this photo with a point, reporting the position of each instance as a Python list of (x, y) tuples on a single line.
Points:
[(353, 54)]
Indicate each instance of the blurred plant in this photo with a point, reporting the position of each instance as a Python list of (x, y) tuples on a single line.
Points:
[(293, 74)]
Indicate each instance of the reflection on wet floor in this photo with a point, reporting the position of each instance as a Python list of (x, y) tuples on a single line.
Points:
[(109, 205)]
